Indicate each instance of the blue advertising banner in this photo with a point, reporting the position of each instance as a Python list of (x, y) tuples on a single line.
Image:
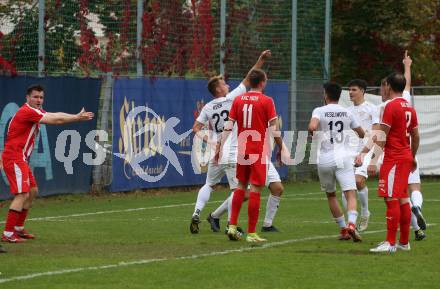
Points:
[(62, 94), (171, 106)]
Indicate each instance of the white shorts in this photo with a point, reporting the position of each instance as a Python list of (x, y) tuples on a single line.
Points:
[(272, 175), (329, 175), (414, 177), (362, 170), (217, 171)]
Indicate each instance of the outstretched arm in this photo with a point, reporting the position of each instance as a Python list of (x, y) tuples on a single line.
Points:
[(263, 56), (407, 61), (63, 118)]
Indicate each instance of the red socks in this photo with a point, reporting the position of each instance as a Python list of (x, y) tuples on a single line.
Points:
[(11, 220), (393, 219), (398, 214), (22, 218), (237, 201), (253, 211), (405, 222)]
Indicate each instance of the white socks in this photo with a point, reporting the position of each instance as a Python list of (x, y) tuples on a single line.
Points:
[(344, 202), (202, 198), (273, 203), (414, 223), (230, 206), (352, 216), (417, 199), (363, 198), (223, 208), (341, 222)]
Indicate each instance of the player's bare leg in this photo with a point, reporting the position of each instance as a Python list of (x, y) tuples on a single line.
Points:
[(338, 215), (273, 202), (363, 198), (352, 213), (13, 215)]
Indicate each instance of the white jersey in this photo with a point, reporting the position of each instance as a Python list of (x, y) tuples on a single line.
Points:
[(216, 113), (366, 114), (336, 124)]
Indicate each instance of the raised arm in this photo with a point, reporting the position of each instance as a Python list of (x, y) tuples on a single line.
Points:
[(407, 61), (263, 56), (63, 118)]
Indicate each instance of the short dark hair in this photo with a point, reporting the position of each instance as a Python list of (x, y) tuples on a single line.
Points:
[(333, 90), (36, 87), (362, 84), (256, 76), (396, 81), (213, 82)]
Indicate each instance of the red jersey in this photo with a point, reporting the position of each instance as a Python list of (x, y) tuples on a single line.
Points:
[(252, 111), (402, 119), (23, 128)]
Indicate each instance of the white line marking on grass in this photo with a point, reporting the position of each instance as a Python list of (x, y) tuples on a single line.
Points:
[(115, 211), (291, 196), (155, 260), (132, 210)]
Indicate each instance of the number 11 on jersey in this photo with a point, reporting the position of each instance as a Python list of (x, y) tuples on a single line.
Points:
[(247, 115)]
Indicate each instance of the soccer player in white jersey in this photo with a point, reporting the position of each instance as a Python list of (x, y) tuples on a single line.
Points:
[(333, 123), (367, 115), (215, 113)]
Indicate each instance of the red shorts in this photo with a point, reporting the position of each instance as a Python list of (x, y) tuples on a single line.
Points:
[(254, 173), (19, 176), (393, 179)]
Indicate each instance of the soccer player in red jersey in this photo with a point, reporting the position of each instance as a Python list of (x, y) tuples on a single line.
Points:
[(399, 125), (22, 131), (254, 113)]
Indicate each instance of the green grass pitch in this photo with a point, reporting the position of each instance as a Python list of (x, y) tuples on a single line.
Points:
[(143, 241)]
